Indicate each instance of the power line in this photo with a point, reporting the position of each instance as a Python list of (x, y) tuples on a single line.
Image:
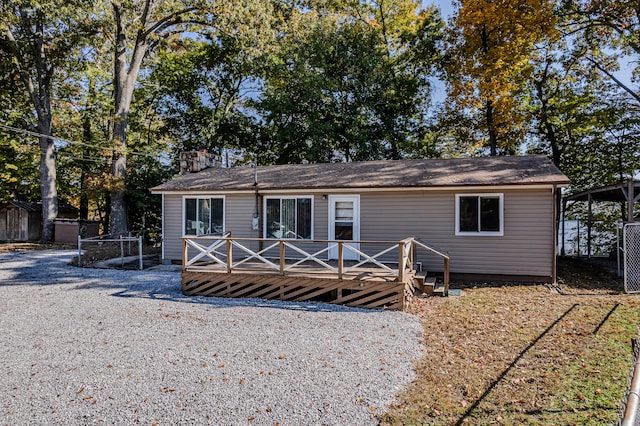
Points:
[(55, 138), (106, 160)]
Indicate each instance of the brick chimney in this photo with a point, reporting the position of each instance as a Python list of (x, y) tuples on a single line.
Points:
[(195, 161)]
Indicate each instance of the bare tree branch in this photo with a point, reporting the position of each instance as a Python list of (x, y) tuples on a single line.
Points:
[(614, 79)]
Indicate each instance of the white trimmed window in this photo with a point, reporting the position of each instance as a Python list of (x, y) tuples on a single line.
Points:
[(288, 218), (203, 215), (479, 214)]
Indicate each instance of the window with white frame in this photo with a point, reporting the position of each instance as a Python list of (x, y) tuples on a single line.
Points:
[(203, 215), (288, 218), (479, 214)]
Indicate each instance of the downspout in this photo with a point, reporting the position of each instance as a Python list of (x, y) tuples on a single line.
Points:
[(162, 231), (589, 217), (554, 191)]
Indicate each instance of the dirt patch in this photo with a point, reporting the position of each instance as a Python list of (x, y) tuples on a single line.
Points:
[(13, 247), (93, 252), (524, 354)]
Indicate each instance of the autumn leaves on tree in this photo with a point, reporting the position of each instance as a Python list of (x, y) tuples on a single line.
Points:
[(489, 50), (128, 85)]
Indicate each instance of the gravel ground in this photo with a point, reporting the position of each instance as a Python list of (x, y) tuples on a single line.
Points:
[(86, 346)]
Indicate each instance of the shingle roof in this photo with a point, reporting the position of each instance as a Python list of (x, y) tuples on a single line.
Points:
[(26, 205), (523, 170), (37, 207)]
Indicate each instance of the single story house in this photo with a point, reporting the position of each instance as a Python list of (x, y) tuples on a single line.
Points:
[(495, 216)]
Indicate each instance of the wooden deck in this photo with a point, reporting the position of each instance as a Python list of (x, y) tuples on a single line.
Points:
[(227, 267)]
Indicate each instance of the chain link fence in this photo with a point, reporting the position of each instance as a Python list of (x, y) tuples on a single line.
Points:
[(137, 250), (632, 257)]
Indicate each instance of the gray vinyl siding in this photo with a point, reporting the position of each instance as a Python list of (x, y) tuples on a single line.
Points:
[(239, 211), (172, 227), (526, 248)]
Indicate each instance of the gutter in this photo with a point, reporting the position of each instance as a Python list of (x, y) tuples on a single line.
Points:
[(633, 397), (354, 189)]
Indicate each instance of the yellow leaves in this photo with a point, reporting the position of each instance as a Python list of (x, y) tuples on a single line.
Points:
[(491, 46)]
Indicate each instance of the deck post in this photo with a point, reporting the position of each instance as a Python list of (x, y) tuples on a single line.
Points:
[(281, 243), (340, 259), (401, 262), (229, 255), (412, 254), (446, 276), (185, 253)]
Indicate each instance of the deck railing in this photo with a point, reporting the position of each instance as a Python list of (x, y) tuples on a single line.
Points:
[(440, 253), (287, 257)]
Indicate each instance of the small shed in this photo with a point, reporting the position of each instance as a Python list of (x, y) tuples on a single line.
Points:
[(67, 230), (20, 221)]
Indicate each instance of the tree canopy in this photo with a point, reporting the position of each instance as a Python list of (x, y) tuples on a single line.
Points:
[(116, 90)]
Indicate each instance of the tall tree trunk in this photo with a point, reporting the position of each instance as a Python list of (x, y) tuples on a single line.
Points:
[(549, 131), (493, 139), (124, 82), (87, 137), (37, 83), (118, 224), (48, 188)]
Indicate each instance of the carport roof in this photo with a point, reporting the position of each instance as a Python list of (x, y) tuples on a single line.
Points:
[(615, 193)]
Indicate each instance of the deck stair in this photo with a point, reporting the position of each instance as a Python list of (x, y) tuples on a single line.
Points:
[(428, 286)]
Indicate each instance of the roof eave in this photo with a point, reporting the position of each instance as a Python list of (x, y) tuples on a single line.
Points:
[(244, 189)]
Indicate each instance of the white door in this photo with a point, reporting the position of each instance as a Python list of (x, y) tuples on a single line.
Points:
[(344, 224)]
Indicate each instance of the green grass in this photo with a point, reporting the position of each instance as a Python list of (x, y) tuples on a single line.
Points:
[(524, 354)]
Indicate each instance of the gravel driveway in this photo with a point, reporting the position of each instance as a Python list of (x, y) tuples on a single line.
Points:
[(87, 346)]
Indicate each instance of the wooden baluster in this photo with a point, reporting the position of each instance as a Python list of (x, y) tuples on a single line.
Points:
[(340, 259), (282, 263), (185, 253), (401, 262)]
